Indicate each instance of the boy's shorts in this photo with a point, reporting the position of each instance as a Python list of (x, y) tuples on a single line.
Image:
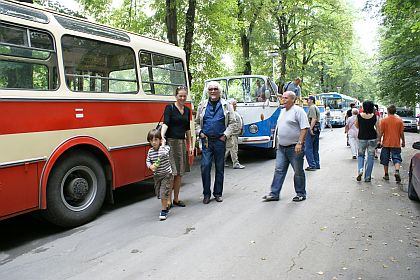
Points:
[(162, 185), (390, 153)]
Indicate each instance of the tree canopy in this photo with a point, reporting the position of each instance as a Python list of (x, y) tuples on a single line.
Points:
[(399, 60), (312, 39)]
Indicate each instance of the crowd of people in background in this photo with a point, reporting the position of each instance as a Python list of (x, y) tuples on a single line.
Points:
[(218, 125)]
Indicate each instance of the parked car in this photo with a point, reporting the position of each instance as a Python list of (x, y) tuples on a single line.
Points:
[(414, 175), (409, 119)]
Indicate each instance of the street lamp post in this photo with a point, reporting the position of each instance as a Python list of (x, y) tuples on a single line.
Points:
[(273, 55)]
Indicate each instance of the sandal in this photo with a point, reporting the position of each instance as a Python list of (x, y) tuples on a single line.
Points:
[(179, 203), (299, 198)]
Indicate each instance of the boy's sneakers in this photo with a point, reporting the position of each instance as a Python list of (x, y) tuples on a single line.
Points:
[(386, 176), (163, 214), (397, 176)]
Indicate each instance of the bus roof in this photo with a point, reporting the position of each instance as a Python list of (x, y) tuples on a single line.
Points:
[(20, 7), (236, 77), (336, 95)]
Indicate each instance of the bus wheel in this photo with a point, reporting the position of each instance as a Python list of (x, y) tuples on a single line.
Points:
[(75, 191)]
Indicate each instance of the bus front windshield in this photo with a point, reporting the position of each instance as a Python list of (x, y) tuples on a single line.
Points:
[(334, 103), (249, 89)]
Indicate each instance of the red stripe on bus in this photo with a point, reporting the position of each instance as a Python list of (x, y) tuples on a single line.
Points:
[(37, 116)]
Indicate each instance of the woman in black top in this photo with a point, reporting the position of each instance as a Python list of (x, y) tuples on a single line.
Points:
[(176, 132), (367, 123)]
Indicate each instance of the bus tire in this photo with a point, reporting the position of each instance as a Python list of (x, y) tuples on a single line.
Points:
[(76, 190)]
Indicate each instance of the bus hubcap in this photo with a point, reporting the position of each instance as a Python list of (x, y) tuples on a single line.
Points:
[(78, 188)]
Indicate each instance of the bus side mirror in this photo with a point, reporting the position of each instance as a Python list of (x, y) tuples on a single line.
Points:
[(267, 94)]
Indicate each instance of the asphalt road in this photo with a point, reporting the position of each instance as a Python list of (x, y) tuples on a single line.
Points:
[(344, 230)]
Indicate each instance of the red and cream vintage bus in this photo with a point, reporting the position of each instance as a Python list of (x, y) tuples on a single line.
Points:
[(76, 102)]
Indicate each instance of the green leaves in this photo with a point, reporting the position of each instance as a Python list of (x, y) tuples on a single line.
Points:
[(399, 68), (314, 39)]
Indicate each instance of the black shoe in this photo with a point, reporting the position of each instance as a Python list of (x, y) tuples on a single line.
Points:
[(270, 197), (397, 177), (206, 200), (359, 176), (179, 203), (219, 198), (299, 198), (354, 157), (310, 168)]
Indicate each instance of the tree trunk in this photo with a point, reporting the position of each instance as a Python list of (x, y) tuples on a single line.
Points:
[(321, 77), (283, 44), (189, 33), (171, 22), (245, 53), (246, 33)]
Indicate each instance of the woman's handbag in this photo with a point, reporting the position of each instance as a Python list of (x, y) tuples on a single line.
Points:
[(159, 125)]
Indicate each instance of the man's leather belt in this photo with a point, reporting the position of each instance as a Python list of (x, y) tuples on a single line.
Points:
[(289, 146)]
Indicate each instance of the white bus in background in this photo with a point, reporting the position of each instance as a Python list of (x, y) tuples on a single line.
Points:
[(338, 104)]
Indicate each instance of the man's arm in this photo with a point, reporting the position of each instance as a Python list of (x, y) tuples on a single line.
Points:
[(299, 145), (231, 121), (380, 135), (402, 136), (311, 129)]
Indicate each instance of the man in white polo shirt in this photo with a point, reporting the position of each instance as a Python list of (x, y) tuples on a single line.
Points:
[(292, 126)]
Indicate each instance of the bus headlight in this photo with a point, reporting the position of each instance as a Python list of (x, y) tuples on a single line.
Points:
[(253, 128)]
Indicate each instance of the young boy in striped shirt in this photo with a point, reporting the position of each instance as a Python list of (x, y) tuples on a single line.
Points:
[(158, 161)]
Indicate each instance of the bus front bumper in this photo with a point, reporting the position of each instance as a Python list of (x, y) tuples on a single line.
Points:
[(254, 140)]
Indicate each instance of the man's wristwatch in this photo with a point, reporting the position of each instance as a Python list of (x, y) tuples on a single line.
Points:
[(300, 142)]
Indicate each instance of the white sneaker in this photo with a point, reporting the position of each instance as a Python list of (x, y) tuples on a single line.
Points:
[(238, 166)]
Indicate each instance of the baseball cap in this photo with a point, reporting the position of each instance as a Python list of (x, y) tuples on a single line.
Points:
[(312, 98)]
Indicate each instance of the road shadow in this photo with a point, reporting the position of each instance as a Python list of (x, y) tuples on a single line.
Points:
[(30, 228)]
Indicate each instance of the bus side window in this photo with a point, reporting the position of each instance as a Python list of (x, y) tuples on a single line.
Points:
[(161, 74), (95, 66), (27, 59)]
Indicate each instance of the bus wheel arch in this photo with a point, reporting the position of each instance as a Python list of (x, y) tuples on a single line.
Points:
[(76, 185)]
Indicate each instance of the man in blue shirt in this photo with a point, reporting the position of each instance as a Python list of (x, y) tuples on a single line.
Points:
[(214, 122), (293, 86)]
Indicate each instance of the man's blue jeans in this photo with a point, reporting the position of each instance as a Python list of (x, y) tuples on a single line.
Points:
[(370, 146), (215, 150), (312, 150), (284, 157)]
